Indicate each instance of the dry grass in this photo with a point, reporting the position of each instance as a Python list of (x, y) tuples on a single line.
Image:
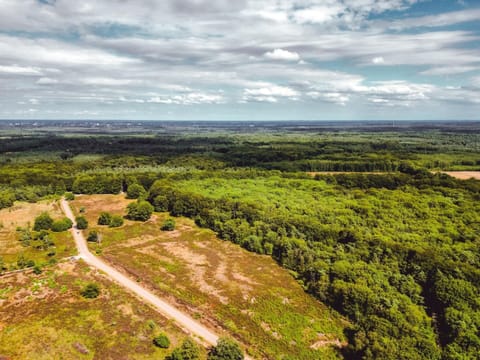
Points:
[(23, 214), (96, 204), (222, 285), (44, 317)]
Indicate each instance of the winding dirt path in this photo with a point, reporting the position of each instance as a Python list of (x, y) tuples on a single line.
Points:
[(186, 322)]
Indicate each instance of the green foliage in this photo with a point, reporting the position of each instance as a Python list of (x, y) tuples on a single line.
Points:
[(82, 222), (104, 219), (6, 199), (160, 203), (226, 349), (187, 351), (397, 253), (37, 270), (141, 210), (168, 225), (92, 236), (61, 225), (135, 191), (368, 253), (161, 341), (23, 262), (116, 221), (97, 184), (43, 222), (90, 291), (69, 196)]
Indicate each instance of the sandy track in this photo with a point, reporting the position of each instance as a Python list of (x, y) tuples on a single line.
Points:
[(184, 321)]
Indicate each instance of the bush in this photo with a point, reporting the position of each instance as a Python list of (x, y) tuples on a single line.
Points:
[(116, 221), (160, 202), (69, 196), (226, 349), (37, 270), (140, 211), (90, 291), (168, 225), (104, 219), (162, 341), (82, 223), (92, 236), (187, 351), (135, 191), (62, 225), (43, 222)]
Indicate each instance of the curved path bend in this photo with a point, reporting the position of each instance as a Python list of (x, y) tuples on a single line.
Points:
[(169, 311)]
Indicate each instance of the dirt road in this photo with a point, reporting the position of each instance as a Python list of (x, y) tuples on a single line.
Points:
[(183, 320)]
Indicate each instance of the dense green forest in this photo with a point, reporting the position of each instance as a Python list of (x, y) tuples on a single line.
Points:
[(392, 245)]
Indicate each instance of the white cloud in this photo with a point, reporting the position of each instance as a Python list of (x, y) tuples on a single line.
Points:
[(378, 60), (47, 81), (19, 70), (270, 94), (337, 98), (317, 14), (280, 54), (194, 98), (449, 70)]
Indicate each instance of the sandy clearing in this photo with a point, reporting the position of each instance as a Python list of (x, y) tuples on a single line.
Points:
[(463, 175)]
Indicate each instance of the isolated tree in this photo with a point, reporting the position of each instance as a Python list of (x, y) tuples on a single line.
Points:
[(69, 196), (104, 218), (43, 222), (226, 349), (92, 236), (82, 222), (162, 341), (141, 211), (187, 351), (135, 191), (116, 221), (168, 225), (90, 291)]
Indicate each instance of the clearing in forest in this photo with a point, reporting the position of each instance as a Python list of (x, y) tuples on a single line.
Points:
[(218, 283)]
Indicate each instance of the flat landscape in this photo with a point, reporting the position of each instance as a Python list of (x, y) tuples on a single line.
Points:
[(219, 283), (288, 241), (44, 317)]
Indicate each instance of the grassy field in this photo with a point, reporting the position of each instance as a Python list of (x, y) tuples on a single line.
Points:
[(45, 317), (22, 214), (219, 283)]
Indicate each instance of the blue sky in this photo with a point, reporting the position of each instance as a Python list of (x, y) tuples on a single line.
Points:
[(240, 60)]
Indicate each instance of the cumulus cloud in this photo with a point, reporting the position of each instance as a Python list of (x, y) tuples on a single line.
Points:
[(116, 57), (270, 94), (280, 54)]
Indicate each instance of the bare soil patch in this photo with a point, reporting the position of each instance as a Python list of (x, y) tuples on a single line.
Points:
[(464, 175)]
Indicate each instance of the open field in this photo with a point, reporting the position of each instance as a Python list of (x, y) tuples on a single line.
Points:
[(44, 317), (23, 214), (220, 284)]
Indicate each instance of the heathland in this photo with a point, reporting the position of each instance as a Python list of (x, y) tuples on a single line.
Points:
[(379, 247)]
